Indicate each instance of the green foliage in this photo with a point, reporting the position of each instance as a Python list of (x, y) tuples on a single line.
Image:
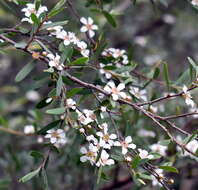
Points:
[(24, 72)]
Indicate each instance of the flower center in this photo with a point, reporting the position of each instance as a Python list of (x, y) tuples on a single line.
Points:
[(124, 144), (89, 26), (66, 37), (106, 137), (90, 154), (32, 10), (115, 91), (56, 135)]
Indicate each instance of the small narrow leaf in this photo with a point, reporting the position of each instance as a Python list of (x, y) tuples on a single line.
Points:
[(156, 73), (45, 180), (166, 75), (80, 61), (135, 162), (99, 175), (48, 127), (30, 175), (59, 85), (194, 65), (24, 71), (60, 23), (73, 92), (35, 19), (169, 169), (109, 18), (43, 103), (57, 8), (36, 154), (56, 111)]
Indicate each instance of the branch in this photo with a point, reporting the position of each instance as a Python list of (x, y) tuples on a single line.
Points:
[(165, 97), (122, 101)]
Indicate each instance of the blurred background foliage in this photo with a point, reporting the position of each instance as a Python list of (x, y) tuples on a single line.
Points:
[(165, 31)]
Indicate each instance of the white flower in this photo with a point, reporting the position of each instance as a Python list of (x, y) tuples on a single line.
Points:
[(192, 146), (103, 108), (140, 40), (1, 41), (194, 2), (31, 9), (126, 144), (187, 96), (71, 103), (146, 133), (155, 182), (153, 109), (128, 158), (40, 140), (68, 37), (116, 53), (54, 30), (55, 61), (159, 149), (169, 19), (140, 94), (57, 137), (93, 139), (29, 129), (104, 159), (90, 154), (125, 60), (86, 116), (144, 154), (104, 72), (106, 139), (152, 59), (83, 48), (88, 26), (115, 91), (32, 95)]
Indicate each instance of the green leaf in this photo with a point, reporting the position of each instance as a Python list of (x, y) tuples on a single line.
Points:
[(194, 65), (59, 85), (144, 176), (99, 175), (56, 111), (29, 175), (57, 8), (109, 18), (126, 68), (35, 19), (116, 157), (20, 45), (169, 169), (165, 142), (183, 78), (48, 127), (67, 53), (24, 71), (73, 92), (156, 73), (166, 75), (190, 138), (43, 103), (45, 180), (80, 61), (36, 154), (135, 162), (60, 23), (37, 4)]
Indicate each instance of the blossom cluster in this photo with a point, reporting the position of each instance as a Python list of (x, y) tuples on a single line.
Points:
[(100, 141)]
